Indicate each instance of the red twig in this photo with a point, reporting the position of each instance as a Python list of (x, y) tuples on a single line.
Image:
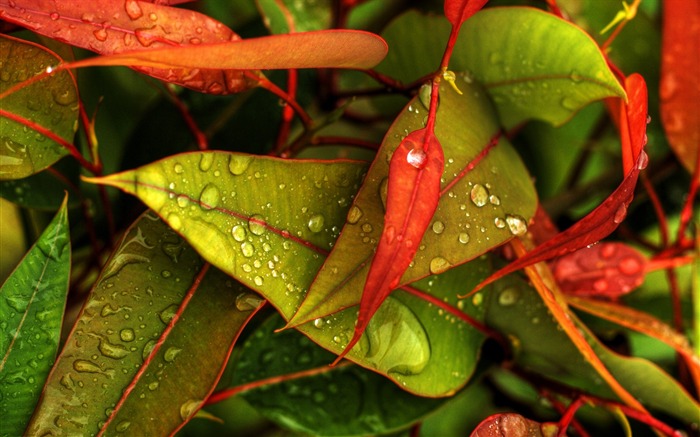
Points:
[(199, 136)]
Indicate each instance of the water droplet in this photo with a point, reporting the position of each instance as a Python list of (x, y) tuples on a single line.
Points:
[(174, 221), (516, 224), (620, 214), (183, 201), (114, 351), (417, 158), (171, 353), (256, 224), (247, 249), (133, 10), (210, 196), (424, 95), (239, 233), (188, 408), (167, 314), (569, 103), (316, 223), (123, 426), (54, 16), (153, 385), (127, 334), (479, 195), (494, 200), (258, 281), (630, 266), (576, 77), (508, 296), (438, 227), (100, 34), (463, 238), (148, 348), (238, 164), (178, 168), (206, 161), (643, 160), (354, 215), (439, 265), (248, 301), (85, 366), (318, 322), (499, 222), (367, 228), (87, 17)]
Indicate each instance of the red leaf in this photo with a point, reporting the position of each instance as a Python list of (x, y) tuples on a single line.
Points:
[(603, 220), (606, 270), (679, 88), (109, 26), (457, 11), (512, 425), (413, 192)]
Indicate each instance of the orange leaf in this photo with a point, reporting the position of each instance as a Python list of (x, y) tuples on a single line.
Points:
[(680, 88), (412, 197)]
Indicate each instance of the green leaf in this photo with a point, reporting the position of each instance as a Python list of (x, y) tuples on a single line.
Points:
[(31, 312), (261, 222), (305, 16), (151, 341), (477, 211), (533, 64), (516, 310), (44, 190), (29, 113), (344, 400)]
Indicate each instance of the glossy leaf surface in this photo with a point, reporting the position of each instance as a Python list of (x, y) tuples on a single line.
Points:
[(275, 245), (517, 311), (679, 88), (31, 115), (510, 51), (32, 301), (477, 210), (345, 400), (149, 343), (118, 26)]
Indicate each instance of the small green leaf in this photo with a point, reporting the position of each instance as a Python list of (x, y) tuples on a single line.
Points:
[(516, 310), (533, 64), (31, 312), (150, 341), (345, 400), (50, 104), (275, 243)]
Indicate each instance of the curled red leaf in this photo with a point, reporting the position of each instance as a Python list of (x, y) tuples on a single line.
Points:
[(413, 193), (511, 424)]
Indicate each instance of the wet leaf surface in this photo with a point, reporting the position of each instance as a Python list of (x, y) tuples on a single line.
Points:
[(31, 115), (477, 211), (513, 425), (517, 311), (276, 245), (150, 342), (32, 301), (345, 400)]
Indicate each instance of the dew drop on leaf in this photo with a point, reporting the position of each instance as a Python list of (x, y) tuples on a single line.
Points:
[(620, 214), (256, 224), (354, 215), (171, 353), (247, 249), (315, 223), (123, 426), (499, 222), (209, 197), (508, 297), (133, 10), (439, 265), (479, 195), (463, 238), (237, 164), (643, 160), (516, 224), (438, 227), (167, 314), (417, 158), (239, 233), (127, 334)]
